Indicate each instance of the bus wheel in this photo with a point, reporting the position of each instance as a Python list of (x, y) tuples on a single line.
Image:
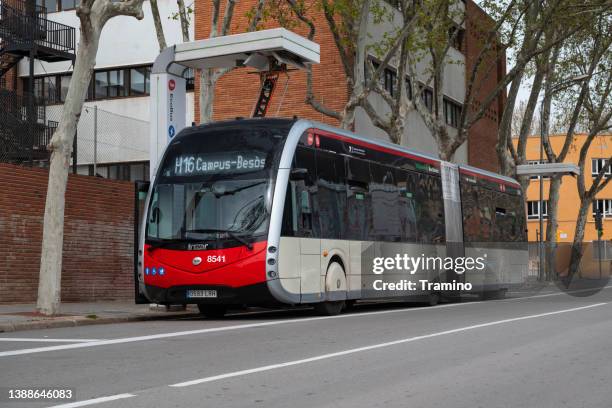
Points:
[(212, 311), (335, 290), (329, 308)]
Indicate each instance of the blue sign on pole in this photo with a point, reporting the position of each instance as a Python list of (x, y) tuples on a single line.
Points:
[(171, 131)]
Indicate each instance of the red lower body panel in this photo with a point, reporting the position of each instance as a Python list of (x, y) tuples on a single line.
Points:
[(232, 267)]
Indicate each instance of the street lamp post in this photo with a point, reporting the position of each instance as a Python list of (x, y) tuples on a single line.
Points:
[(565, 84)]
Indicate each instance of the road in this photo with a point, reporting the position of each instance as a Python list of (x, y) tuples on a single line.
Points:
[(543, 351)]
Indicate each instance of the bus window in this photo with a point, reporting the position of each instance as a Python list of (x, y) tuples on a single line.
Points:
[(331, 194), (359, 201), (430, 209), (476, 203), (406, 185), (300, 216), (385, 205)]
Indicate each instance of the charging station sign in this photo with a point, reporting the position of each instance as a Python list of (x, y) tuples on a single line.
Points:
[(168, 113)]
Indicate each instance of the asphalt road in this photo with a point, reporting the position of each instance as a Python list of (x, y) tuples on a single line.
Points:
[(544, 351)]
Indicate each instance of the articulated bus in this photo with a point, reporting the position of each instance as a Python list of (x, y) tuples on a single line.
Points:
[(278, 211)]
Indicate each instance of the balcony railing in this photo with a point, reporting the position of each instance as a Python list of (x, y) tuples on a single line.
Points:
[(20, 28), (24, 132)]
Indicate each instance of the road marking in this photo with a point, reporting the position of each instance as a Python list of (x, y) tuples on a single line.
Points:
[(43, 340), (559, 293), (215, 329), (374, 347), (240, 326), (94, 401)]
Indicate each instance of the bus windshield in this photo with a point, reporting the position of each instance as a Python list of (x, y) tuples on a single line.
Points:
[(196, 211), (215, 184)]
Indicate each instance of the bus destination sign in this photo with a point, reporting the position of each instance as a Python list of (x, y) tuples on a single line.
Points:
[(231, 162)]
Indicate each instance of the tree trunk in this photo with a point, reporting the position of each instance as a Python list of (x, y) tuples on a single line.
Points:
[(577, 245), (552, 225), (207, 94), (503, 156), (184, 19), (159, 29), (49, 285)]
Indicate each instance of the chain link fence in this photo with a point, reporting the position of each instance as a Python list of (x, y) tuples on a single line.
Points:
[(109, 144)]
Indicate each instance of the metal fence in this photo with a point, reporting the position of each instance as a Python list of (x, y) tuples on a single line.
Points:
[(105, 138), (553, 261)]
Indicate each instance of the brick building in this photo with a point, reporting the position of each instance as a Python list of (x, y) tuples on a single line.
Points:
[(237, 91)]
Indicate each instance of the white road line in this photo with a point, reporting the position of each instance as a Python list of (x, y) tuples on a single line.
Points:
[(216, 329), (44, 340), (374, 346), (558, 293), (242, 326), (94, 401)]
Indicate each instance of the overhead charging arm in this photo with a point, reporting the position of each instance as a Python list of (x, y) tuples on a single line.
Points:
[(168, 94)]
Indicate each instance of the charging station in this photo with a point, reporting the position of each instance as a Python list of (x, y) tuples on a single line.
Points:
[(266, 51)]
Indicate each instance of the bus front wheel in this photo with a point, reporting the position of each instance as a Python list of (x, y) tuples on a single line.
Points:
[(212, 311)]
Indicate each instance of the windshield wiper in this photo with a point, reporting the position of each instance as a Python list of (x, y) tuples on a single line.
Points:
[(231, 192), (231, 233)]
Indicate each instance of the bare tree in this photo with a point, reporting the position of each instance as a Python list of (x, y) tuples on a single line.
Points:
[(349, 23), (598, 113), (159, 29), (93, 15), (209, 77)]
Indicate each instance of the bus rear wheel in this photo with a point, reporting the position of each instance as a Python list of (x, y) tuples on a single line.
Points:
[(212, 311), (329, 308)]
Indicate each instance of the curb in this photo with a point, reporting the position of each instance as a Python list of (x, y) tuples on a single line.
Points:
[(84, 321)]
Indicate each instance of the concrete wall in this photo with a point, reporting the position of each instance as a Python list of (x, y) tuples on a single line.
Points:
[(98, 241)]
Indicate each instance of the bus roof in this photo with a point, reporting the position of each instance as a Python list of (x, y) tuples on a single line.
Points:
[(284, 124)]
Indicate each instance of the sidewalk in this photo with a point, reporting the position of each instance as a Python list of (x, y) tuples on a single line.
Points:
[(24, 316)]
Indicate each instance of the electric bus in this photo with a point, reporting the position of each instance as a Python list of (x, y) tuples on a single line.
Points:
[(278, 211)]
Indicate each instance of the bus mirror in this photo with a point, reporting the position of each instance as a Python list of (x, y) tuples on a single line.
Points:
[(299, 174), (155, 215)]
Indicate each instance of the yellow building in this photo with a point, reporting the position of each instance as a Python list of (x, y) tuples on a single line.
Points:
[(599, 152)]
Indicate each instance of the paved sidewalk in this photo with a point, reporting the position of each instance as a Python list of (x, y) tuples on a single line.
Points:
[(24, 316)]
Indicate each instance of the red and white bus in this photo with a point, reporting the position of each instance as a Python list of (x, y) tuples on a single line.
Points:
[(279, 211)]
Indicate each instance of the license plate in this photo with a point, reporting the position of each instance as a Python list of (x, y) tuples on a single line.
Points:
[(198, 293)]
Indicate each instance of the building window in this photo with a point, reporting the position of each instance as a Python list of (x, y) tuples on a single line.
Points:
[(190, 79), (387, 79), (605, 206), (105, 84), (139, 81), (428, 98), (533, 210), (134, 171), (408, 88), (53, 6), (456, 36), (597, 165), (452, 113)]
